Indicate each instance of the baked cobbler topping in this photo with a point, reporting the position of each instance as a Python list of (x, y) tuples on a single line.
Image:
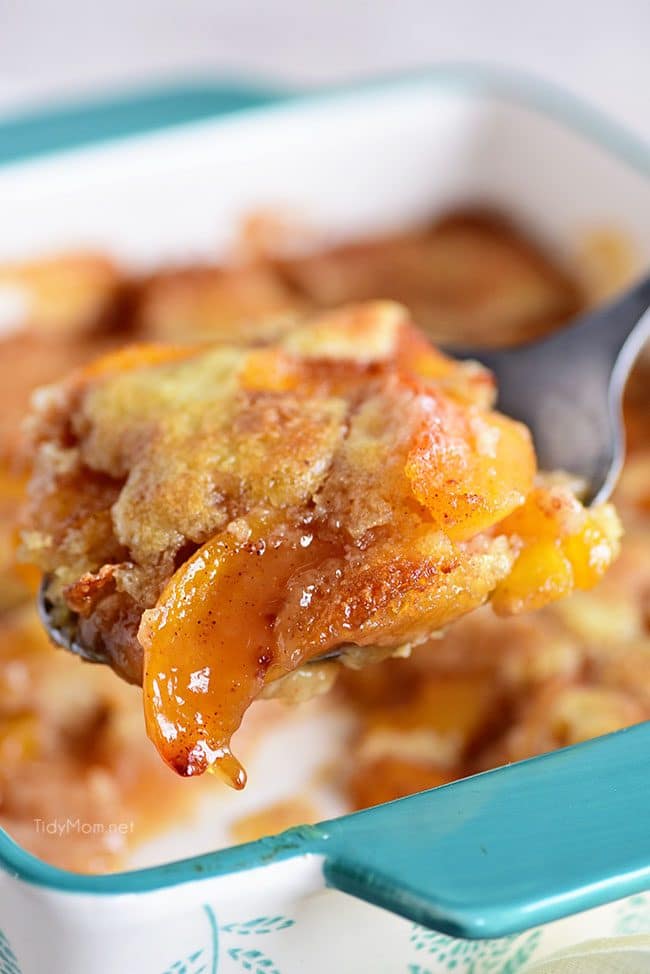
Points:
[(217, 516)]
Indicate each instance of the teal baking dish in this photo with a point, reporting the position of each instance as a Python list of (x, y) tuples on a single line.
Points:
[(486, 858)]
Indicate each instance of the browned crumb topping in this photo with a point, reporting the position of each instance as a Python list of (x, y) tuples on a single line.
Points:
[(218, 515)]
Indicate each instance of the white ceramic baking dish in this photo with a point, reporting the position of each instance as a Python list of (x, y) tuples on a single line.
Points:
[(168, 175)]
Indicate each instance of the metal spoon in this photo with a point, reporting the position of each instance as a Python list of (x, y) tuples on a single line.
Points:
[(566, 388)]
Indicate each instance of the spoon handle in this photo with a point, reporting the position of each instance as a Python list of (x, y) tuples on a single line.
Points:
[(568, 388), (618, 328)]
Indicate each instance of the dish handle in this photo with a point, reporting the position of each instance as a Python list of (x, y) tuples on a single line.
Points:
[(508, 849)]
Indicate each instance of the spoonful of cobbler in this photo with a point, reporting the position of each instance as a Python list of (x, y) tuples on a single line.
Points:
[(210, 519)]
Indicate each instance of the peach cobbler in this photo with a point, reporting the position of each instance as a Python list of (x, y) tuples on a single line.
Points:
[(214, 517), (244, 475)]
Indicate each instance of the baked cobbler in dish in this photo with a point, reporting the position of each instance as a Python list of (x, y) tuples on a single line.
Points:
[(487, 690), (213, 517)]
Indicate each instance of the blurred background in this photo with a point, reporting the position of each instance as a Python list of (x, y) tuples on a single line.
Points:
[(595, 48)]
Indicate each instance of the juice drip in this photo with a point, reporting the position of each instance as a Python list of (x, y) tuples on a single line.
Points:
[(211, 644)]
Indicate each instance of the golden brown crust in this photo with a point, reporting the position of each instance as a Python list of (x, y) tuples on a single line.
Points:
[(469, 278), (261, 506), (525, 684), (213, 304)]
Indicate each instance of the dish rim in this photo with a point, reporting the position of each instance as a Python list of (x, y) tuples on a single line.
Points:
[(35, 134)]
